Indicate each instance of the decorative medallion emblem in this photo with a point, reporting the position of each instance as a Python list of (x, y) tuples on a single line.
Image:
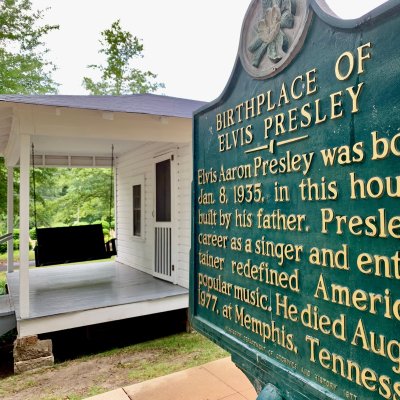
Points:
[(272, 34)]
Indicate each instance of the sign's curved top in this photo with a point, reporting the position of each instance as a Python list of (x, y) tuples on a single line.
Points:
[(274, 31)]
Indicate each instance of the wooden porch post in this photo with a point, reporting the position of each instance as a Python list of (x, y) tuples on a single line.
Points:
[(10, 218), (24, 226)]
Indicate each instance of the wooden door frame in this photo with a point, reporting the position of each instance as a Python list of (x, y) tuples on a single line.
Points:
[(170, 155)]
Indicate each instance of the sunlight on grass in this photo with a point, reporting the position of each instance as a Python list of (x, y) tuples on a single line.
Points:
[(169, 357), (93, 391), (181, 343)]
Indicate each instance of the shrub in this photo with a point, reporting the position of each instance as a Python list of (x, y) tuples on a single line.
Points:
[(32, 234), (3, 283), (3, 248)]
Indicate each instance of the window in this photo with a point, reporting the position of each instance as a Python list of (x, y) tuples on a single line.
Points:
[(137, 207)]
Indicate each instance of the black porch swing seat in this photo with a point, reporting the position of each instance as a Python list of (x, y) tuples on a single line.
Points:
[(71, 244)]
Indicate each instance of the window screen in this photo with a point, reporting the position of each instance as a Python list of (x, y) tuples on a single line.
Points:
[(163, 191), (137, 209)]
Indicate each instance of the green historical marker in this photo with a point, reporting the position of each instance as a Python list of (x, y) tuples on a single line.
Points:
[(296, 210)]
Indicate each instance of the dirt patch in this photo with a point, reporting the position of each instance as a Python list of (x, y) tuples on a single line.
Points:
[(73, 379), (81, 378)]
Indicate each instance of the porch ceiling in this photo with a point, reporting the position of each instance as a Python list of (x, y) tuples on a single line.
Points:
[(83, 132), (81, 146)]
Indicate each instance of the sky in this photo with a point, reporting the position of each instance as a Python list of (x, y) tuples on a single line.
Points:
[(190, 44)]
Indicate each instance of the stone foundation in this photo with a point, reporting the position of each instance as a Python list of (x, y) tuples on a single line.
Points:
[(31, 353)]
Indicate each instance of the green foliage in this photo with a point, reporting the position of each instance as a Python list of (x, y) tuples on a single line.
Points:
[(63, 197), (23, 65), (3, 257), (16, 239), (44, 179), (85, 196), (43, 188), (3, 195), (118, 76), (3, 282), (32, 234), (73, 197), (23, 70)]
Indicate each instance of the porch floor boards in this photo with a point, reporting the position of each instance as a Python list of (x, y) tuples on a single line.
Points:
[(73, 288)]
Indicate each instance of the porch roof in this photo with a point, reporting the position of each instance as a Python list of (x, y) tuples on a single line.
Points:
[(87, 126), (135, 103)]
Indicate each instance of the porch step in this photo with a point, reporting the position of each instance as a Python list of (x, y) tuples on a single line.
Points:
[(8, 319)]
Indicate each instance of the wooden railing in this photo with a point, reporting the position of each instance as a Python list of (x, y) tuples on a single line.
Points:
[(6, 238)]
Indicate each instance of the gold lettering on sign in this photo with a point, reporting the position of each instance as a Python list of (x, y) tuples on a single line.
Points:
[(314, 112), (349, 369), (296, 243), (373, 303)]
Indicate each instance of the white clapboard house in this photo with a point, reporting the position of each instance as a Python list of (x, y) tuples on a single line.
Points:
[(152, 161)]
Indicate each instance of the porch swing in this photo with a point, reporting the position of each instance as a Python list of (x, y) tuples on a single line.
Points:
[(69, 244)]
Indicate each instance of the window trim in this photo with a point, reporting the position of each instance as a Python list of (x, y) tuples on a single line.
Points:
[(138, 181)]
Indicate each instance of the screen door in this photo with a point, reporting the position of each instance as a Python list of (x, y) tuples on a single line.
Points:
[(164, 248)]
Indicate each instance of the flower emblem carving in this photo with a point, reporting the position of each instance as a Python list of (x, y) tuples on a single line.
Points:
[(270, 39)]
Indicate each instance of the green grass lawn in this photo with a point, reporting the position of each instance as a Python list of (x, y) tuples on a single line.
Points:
[(3, 260), (2, 283), (3, 257)]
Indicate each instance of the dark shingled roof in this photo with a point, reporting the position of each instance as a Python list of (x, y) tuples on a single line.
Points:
[(135, 103)]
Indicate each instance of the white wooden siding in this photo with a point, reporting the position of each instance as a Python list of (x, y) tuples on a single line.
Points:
[(184, 210), (139, 253)]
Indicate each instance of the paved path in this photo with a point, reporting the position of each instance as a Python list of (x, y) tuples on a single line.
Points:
[(216, 380)]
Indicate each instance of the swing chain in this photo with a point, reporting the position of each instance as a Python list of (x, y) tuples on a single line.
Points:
[(34, 185)]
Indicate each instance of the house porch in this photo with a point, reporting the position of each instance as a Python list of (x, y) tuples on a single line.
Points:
[(75, 295)]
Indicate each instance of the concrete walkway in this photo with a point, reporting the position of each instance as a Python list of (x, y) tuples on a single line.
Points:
[(216, 380)]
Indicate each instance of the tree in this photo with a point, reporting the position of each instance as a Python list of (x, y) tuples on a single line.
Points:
[(119, 76), (42, 189), (75, 196), (23, 68), (23, 65), (45, 185), (3, 198)]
